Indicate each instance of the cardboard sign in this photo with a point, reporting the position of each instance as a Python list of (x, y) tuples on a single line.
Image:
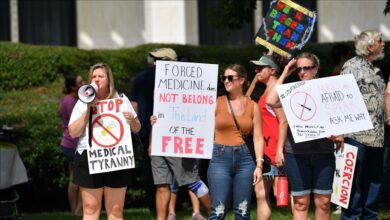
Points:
[(184, 103), (323, 107), (112, 148), (343, 175), (286, 27)]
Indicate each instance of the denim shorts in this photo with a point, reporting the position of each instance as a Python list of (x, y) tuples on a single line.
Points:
[(274, 171), (310, 173)]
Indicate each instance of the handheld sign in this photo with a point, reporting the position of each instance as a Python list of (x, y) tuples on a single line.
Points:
[(343, 175), (286, 27), (184, 103), (323, 107), (112, 148)]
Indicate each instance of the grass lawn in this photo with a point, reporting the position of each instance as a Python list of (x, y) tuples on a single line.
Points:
[(143, 214)]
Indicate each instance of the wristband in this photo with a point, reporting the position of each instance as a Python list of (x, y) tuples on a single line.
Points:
[(260, 159), (387, 120)]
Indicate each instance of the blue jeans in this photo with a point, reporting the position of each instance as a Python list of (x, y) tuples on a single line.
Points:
[(367, 182), (230, 173)]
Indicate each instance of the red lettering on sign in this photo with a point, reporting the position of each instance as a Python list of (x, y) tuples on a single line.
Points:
[(199, 145), (350, 155), (347, 178), (187, 145), (110, 105), (177, 144), (287, 33), (118, 102), (282, 18), (270, 32), (279, 5), (165, 140), (168, 97), (293, 24), (290, 45), (298, 15), (101, 104)]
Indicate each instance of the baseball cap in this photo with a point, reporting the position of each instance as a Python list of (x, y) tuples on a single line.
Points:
[(164, 54), (266, 61)]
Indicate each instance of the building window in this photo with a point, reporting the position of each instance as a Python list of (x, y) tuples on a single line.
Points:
[(5, 34), (210, 35), (48, 22)]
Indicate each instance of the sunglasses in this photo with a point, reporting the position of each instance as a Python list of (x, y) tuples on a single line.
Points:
[(304, 68), (229, 78), (259, 68)]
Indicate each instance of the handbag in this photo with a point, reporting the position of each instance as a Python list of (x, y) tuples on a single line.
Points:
[(248, 139)]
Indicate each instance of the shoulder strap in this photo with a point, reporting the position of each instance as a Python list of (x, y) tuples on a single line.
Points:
[(234, 117), (90, 127)]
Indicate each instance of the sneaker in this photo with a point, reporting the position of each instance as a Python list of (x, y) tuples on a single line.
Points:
[(337, 211), (197, 216), (171, 216)]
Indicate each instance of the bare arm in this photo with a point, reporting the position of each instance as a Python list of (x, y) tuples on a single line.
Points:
[(153, 120), (387, 103), (282, 136), (272, 97), (258, 141), (77, 128), (135, 106), (135, 124)]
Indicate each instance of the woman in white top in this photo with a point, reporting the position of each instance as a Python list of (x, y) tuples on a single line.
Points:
[(113, 184)]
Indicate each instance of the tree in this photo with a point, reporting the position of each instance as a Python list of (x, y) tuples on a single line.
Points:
[(387, 7)]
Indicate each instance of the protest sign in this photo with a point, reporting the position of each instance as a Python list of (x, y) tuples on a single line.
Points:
[(111, 146), (323, 107), (343, 175), (184, 103), (286, 27)]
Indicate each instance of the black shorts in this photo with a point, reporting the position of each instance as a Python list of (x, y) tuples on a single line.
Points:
[(115, 179)]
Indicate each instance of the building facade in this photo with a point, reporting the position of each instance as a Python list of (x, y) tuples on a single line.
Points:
[(119, 24)]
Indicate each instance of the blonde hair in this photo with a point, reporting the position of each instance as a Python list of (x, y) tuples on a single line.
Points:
[(365, 39), (310, 56), (111, 85)]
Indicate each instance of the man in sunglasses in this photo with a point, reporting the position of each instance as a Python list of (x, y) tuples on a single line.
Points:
[(369, 166)]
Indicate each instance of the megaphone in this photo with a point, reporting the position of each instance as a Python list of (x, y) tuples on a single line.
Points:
[(87, 93)]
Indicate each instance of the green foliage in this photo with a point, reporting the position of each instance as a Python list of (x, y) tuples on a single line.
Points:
[(34, 114), (23, 66), (142, 214)]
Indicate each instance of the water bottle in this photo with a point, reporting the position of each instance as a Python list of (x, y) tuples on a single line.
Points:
[(282, 192)]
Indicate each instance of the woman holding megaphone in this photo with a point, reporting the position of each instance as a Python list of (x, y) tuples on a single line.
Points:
[(113, 184)]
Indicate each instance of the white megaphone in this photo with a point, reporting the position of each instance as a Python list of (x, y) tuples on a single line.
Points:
[(87, 93)]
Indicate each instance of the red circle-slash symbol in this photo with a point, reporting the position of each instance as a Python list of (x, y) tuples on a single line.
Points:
[(102, 122), (303, 106)]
